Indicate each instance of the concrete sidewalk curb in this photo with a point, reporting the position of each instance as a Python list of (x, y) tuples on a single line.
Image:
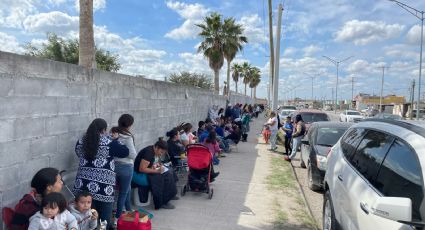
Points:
[(303, 196)]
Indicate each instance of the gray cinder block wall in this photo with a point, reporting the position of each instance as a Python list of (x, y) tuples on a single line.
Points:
[(45, 106)]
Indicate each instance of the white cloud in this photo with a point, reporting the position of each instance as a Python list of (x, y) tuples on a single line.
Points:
[(253, 29), (311, 49), (358, 66), (401, 51), (9, 44), (14, 12), (55, 21), (289, 51), (365, 32), (192, 13), (414, 35), (97, 5), (57, 2)]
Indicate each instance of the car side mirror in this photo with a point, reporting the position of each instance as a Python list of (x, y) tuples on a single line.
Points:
[(305, 142), (393, 208)]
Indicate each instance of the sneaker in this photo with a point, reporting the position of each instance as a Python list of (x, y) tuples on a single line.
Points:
[(214, 175), (175, 198), (286, 158), (168, 206)]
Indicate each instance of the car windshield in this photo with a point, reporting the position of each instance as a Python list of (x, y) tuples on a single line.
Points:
[(353, 113), (313, 117), (289, 107), (329, 136)]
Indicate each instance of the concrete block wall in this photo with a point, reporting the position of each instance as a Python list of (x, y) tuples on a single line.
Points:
[(45, 106)]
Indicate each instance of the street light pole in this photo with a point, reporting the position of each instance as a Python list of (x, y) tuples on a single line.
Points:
[(420, 15), (335, 62)]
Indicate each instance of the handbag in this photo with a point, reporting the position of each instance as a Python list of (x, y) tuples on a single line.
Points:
[(133, 221), (140, 178)]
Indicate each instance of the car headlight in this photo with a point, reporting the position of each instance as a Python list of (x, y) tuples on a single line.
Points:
[(322, 162)]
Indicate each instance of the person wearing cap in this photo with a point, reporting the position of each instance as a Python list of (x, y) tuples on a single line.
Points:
[(297, 135)]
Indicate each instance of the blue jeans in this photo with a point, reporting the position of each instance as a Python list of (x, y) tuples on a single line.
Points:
[(273, 138), (104, 209), (296, 142), (124, 175)]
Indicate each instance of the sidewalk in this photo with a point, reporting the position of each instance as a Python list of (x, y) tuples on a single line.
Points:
[(241, 199)]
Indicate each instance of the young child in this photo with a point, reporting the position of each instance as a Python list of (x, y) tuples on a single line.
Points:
[(86, 217), (53, 215), (266, 133)]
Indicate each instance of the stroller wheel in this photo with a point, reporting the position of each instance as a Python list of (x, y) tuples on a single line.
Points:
[(210, 194), (183, 191)]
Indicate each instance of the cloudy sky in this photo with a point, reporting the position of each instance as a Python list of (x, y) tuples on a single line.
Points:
[(156, 38)]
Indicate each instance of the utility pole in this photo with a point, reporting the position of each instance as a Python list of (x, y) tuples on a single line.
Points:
[(382, 87), (276, 74), (419, 14), (412, 98), (333, 98), (271, 73), (336, 63)]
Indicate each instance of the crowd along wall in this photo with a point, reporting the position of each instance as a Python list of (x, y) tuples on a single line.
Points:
[(45, 106)]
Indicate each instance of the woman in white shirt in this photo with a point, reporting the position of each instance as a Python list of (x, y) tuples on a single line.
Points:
[(273, 124), (187, 136)]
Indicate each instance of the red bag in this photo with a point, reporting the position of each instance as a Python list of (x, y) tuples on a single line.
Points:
[(131, 221)]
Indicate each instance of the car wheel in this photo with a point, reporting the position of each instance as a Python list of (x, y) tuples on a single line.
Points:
[(311, 185), (329, 221)]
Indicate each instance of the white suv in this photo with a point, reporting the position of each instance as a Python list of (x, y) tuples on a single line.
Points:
[(375, 177)]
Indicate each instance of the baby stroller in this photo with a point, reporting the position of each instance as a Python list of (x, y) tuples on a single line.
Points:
[(199, 163)]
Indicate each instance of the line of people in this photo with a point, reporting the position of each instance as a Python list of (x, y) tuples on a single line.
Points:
[(293, 130), (108, 161)]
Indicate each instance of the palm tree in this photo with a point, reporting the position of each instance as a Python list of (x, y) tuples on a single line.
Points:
[(87, 48), (233, 41), (212, 44), (236, 72), (255, 80), (246, 73)]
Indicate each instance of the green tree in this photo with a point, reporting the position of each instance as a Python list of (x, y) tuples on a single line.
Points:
[(58, 49), (236, 72), (212, 44), (255, 80), (246, 73), (192, 79), (233, 41)]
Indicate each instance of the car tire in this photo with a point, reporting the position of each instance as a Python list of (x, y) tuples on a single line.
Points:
[(329, 221), (311, 185)]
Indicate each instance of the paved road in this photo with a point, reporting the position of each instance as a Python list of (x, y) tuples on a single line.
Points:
[(314, 199)]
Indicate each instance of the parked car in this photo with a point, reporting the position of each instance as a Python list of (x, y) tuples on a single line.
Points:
[(421, 113), (388, 116), (310, 116), (286, 112), (288, 107), (375, 177), (351, 116), (370, 112), (315, 148)]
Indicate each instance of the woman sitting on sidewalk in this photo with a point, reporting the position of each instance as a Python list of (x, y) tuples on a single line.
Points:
[(175, 147), (45, 181), (161, 180)]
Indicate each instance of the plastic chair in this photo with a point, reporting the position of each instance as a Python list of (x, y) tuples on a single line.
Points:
[(7, 214), (136, 200)]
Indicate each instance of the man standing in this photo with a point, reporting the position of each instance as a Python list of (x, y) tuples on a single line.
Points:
[(297, 136), (288, 128)]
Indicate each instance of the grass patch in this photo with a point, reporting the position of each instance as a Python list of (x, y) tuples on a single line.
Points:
[(281, 176), (306, 220), (281, 217)]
